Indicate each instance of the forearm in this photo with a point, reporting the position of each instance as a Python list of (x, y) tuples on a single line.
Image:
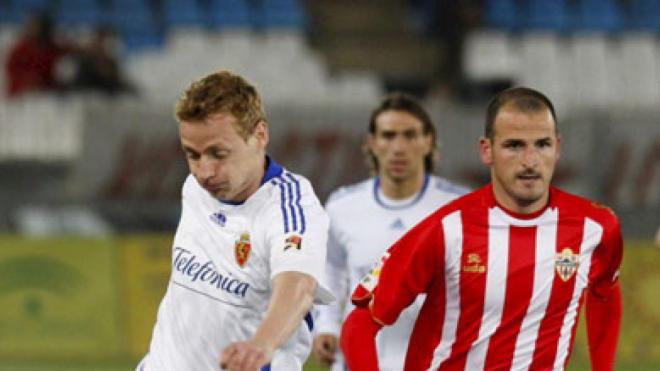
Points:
[(358, 340), (603, 324), (293, 294)]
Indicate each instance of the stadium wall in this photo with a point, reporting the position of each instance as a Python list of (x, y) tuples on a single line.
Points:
[(124, 156), (77, 298)]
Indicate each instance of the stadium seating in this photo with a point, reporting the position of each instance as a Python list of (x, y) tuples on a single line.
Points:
[(79, 13), (645, 15), (599, 15), (547, 15), (177, 13), (230, 14), (502, 14)]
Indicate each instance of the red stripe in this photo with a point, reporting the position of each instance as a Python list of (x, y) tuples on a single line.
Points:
[(518, 294), (569, 235), (427, 332), (472, 288)]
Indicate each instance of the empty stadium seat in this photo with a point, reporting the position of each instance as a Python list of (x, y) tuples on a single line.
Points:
[(281, 14), (645, 15), (544, 65), (640, 68), (547, 15), (599, 15), (489, 55), (79, 12), (178, 13), (502, 14), (224, 14)]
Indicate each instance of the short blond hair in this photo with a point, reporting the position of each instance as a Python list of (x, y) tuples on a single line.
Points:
[(222, 91)]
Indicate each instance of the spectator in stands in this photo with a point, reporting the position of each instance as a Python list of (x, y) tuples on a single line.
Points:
[(98, 67), (33, 58)]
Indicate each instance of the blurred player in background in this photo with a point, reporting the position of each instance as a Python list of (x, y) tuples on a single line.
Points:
[(250, 248), (504, 268), (366, 218)]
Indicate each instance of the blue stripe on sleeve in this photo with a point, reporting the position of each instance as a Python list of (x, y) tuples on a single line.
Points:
[(282, 204), (266, 368), (293, 211), (298, 205)]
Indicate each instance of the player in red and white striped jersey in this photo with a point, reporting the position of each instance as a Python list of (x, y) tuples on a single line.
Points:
[(505, 269)]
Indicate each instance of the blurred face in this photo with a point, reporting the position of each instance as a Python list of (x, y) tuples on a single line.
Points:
[(399, 145), (522, 156), (226, 165)]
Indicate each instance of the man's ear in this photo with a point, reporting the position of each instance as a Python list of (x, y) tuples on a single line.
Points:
[(486, 151), (261, 133)]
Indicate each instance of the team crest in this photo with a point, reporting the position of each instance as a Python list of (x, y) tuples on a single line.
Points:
[(242, 249), (566, 263), (293, 242)]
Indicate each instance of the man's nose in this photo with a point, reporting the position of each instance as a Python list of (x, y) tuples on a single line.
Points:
[(530, 157), (205, 169), (399, 143)]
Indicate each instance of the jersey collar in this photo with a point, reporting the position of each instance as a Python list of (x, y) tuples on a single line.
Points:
[(403, 206)]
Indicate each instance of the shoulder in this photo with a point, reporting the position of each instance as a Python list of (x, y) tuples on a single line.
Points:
[(465, 203), (442, 185), (291, 191), (581, 206), (292, 184), (350, 193)]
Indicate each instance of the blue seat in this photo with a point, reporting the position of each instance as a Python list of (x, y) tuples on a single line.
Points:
[(645, 15), (182, 13), (230, 14), (79, 12), (287, 14), (547, 15), (502, 14), (599, 15), (15, 11), (136, 24)]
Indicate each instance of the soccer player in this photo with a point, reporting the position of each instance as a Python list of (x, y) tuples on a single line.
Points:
[(505, 268), (366, 218), (250, 246)]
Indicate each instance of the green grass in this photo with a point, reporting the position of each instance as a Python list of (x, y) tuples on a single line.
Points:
[(310, 366)]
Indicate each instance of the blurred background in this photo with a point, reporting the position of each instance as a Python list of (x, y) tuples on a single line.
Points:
[(91, 170)]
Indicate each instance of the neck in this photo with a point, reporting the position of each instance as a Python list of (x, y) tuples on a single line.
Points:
[(510, 203), (398, 189)]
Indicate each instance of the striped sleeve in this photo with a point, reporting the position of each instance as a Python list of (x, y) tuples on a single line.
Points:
[(297, 228)]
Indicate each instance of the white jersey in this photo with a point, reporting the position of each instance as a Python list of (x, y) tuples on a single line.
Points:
[(363, 224), (224, 258)]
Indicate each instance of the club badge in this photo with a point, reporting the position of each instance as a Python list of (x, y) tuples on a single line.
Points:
[(242, 249), (293, 242), (566, 263)]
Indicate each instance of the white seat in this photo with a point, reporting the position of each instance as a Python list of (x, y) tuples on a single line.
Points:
[(591, 55), (543, 66), (640, 70), (489, 55)]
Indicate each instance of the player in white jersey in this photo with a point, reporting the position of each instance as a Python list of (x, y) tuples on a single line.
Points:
[(366, 218), (250, 247)]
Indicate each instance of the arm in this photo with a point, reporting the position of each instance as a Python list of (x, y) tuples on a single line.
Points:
[(409, 268), (603, 299), (358, 340), (330, 316), (293, 294), (603, 324)]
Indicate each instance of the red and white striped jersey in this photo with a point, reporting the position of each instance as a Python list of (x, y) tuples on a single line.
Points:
[(503, 289)]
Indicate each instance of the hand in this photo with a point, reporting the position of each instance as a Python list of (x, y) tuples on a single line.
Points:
[(245, 356), (325, 348)]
